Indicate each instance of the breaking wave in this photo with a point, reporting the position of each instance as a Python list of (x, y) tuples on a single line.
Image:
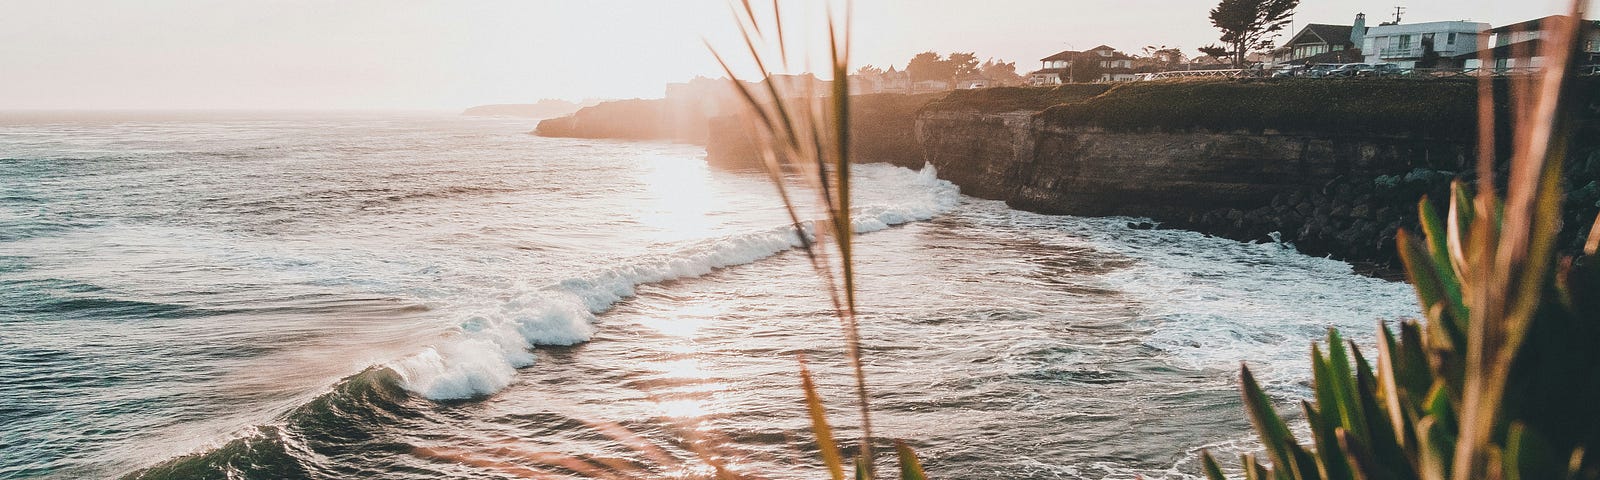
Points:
[(481, 355)]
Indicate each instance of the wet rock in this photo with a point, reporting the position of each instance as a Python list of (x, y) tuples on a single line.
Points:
[(1362, 211)]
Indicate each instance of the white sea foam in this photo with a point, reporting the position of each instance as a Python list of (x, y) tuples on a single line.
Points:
[(481, 355), (1211, 303)]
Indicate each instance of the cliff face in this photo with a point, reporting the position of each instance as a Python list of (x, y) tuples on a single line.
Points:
[(1319, 191), (1335, 167), (883, 130), (651, 119)]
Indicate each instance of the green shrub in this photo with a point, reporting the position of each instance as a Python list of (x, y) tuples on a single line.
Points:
[(1437, 108), (1011, 99)]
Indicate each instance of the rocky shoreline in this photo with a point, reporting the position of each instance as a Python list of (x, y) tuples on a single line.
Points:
[(1343, 189)]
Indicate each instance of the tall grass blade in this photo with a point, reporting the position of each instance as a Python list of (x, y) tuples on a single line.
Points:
[(819, 426), (1208, 464), (910, 466)]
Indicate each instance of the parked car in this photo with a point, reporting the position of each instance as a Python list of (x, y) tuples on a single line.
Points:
[(1348, 70), (1320, 70), (1284, 71), (1381, 70)]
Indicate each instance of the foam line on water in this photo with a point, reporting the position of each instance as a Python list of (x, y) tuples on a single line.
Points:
[(481, 355), (1211, 302)]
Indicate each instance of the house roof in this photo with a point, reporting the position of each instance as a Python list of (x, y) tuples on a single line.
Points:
[(1318, 33), (1523, 26), (1074, 54), (1047, 71), (1064, 55), (1536, 24)]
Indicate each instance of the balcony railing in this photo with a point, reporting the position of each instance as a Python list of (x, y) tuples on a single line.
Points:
[(1413, 51), (1406, 73)]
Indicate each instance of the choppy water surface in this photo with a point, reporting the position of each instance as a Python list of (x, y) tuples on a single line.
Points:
[(428, 296)]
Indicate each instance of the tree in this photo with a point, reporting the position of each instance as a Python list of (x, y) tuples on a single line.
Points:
[(1215, 51), (1430, 57), (930, 66), (963, 64), (1164, 55), (1086, 69), (1246, 25), (869, 70), (1000, 72)]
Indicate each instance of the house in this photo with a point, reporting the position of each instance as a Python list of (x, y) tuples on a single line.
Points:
[(797, 86), (1348, 55), (1206, 62), (861, 84), (1518, 44), (1319, 38), (1422, 45), (1054, 69), (1112, 65), (896, 81)]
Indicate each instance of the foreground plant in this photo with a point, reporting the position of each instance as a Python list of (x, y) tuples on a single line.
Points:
[(1503, 379), (807, 132)]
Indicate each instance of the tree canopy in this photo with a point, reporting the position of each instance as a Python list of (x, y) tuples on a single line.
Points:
[(1246, 26), (934, 66), (930, 66), (963, 64), (1000, 73), (869, 69)]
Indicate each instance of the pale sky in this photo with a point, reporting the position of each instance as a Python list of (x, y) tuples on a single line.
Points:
[(449, 54)]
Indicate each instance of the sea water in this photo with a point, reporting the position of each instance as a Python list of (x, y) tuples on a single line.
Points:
[(287, 295)]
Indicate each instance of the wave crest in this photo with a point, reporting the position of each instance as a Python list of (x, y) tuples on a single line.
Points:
[(482, 354)]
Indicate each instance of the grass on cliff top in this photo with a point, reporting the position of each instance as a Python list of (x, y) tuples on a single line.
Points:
[(1442, 109), (1011, 99)]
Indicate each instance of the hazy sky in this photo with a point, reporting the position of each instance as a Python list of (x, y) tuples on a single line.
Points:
[(437, 54)]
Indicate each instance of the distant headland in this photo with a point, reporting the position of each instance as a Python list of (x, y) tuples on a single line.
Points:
[(546, 108)]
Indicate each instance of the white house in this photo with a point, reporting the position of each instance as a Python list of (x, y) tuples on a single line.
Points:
[(1407, 44), (1114, 66), (1518, 45), (1054, 69)]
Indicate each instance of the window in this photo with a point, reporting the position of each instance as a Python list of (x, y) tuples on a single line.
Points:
[(1405, 41), (1451, 39)]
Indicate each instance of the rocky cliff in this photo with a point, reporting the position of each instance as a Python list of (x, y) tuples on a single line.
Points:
[(1215, 182), (1335, 167), (1338, 183), (883, 130)]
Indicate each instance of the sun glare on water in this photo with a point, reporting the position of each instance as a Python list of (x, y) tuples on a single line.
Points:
[(680, 197)]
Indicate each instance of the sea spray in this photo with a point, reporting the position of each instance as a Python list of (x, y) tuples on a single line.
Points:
[(481, 355)]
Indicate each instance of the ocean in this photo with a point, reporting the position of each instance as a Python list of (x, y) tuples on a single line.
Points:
[(425, 295)]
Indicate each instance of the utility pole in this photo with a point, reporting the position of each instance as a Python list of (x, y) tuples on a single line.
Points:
[(1397, 12)]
